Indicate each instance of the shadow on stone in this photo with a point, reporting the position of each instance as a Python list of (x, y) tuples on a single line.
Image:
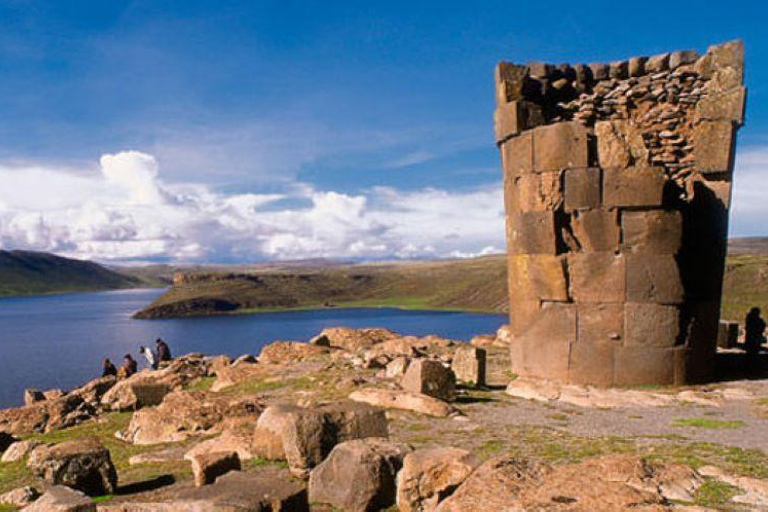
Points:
[(146, 485)]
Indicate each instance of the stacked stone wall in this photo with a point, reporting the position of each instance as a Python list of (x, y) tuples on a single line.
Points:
[(617, 184)]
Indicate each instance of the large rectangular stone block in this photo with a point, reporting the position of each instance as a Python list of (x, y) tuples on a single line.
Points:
[(544, 348), (655, 231), (592, 363), (511, 196), (522, 312), (727, 106), (596, 277), (540, 191), (713, 146), (538, 277), (651, 325), (582, 189), (532, 233), (596, 230), (517, 155), (600, 323), (620, 145), (633, 187), (637, 366), (653, 278), (510, 82), (560, 146), (514, 117)]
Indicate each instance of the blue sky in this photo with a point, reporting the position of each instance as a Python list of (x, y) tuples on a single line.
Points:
[(283, 107)]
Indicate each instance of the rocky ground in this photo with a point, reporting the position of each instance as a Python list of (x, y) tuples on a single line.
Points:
[(371, 420)]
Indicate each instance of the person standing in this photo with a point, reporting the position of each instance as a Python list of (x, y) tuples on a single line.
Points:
[(754, 331), (149, 356), (163, 352)]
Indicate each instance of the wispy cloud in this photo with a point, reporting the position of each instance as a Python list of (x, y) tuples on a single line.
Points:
[(750, 188)]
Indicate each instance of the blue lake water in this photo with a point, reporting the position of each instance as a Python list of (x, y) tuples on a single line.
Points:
[(59, 341)]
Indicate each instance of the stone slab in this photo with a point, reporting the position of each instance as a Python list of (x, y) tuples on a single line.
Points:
[(596, 277), (633, 187), (543, 350), (653, 278), (596, 230), (651, 325), (592, 363), (726, 106), (600, 322), (539, 192), (532, 233), (620, 145), (713, 146), (560, 146), (539, 277), (582, 189), (517, 155), (637, 366), (654, 231)]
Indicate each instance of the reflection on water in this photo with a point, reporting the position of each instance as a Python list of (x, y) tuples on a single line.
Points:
[(60, 340)]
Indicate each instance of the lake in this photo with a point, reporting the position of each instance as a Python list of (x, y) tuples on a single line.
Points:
[(59, 341)]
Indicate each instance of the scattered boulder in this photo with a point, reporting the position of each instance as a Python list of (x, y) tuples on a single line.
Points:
[(483, 340), (19, 497), (32, 396), (188, 413), (62, 499), (232, 440), (92, 392), (430, 475), (217, 364), (132, 394), (228, 376), (46, 416), (504, 336), (206, 467), (284, 352), (393, 348), (83, 464), (18, 450), (354, 340), (469, 365), (431, 378), (321, 340), (304, 436), (53, 394), (397, 367), (358, 475), (392, 399)]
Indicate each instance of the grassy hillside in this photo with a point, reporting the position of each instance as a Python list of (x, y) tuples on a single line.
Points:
[(31, 273), (478, 284)]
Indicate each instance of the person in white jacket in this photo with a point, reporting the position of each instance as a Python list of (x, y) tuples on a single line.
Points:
[(149, 355)]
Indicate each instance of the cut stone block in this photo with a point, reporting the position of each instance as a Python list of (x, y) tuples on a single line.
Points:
[(560, 146), (600, 322), (619, 145), (517, 155), (514, 117), (543, 350), (532, 233), (208, 466), (727, 334), (539, 192), (596, 277), (655, 231), (510, 82), (634, 186), (653, 278), (596, 230), (649, 324), (721, 189), (592, 363), (713, 146), (431, 378), (540, 277), (582, 189), (727, 106), (637, 366), (469, 365), (522, 312)]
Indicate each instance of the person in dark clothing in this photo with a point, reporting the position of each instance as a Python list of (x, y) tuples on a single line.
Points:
[(754, 327), (128, 368), (109, 369), (163, 352)]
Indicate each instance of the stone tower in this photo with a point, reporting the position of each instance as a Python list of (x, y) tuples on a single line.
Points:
[(617, 184)]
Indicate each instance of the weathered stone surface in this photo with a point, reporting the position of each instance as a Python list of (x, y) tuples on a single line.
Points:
[(654, 231), (19, 497), (514, 117), (682, 57), (641, 365), (532, 233), (727, 334), (132, 394), (560, 146), (18, 450), (285, 352), (517, 155), (206, 467), (544, 347), (83, 464), (538, 277), (62, 499), (634, 186), (620, 145), (657, 63), (592, 362), (93, 391), (32, 396), (653, 278), (726, 106), (538, 192), (358, 475), (596, 230), (510, 81), (357, 339), (397, 367), (469, 365), (597, 277), (430, 475), (431, 378), (637, 66), (45, 416), (713, 146), (582, 189), (305, 436), (601, 322), (648, 324), (404, 400)]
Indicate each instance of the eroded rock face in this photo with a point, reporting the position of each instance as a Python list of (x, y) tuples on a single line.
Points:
[(46, 416), (358, 475), (285, 352), (430, 475), (304, 436), (18, 450), (83, 464), (431, 378), (189, 413), (617, 186)]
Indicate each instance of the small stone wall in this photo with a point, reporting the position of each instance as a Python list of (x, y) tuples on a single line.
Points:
[(617, 184)]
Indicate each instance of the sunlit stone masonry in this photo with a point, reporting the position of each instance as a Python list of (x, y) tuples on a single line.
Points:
[(617, 184)]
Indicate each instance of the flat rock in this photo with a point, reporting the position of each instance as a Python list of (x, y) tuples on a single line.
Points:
[(62, 499), (19, 497), (18, 450), (391, 399), (283, 352), (206, 467), (430, 475)]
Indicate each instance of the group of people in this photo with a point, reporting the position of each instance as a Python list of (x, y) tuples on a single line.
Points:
[(130, 366)]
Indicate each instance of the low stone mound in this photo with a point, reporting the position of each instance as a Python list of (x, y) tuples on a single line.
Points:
[(358, 475), (354, 340), (82, 464), (304, 436), (285, 352), (45, 416), (188, 413)]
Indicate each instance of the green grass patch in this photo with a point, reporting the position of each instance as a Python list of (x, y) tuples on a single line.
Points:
[(707, 423), (201, 384), (714, 493), (491, 448), (259, 463)]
